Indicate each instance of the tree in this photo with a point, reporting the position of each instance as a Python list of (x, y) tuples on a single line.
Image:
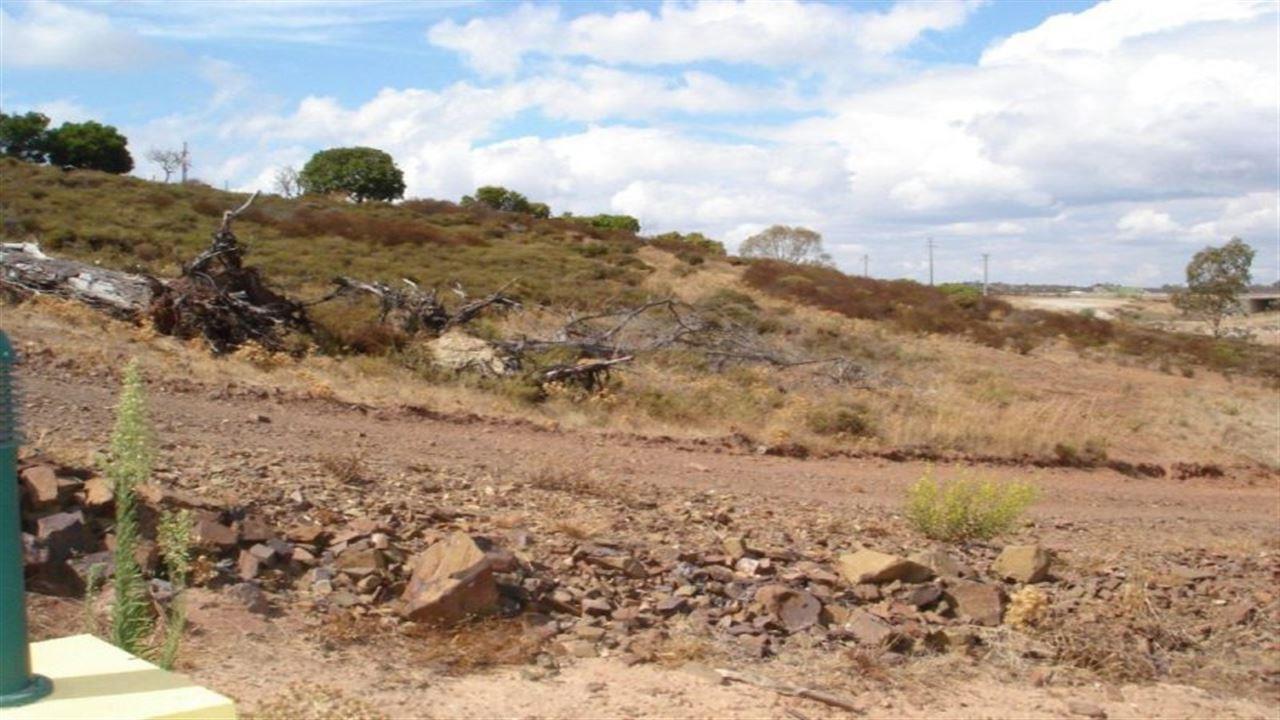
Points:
[(287, 181), (90, 146), (170, 161), (1216, 277), (614, 222), (798, 245), (500, 198), (361, 173), (24, 136)]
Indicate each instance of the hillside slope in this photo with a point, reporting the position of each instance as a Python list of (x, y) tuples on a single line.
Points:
[(918, 371)]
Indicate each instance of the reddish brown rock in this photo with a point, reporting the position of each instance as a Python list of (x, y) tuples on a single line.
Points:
[(976, 602), (451, 581), (1022, 563), (869, 566), (63, 534), (795, 610), (40, 486), (98, 493), (210, 534)]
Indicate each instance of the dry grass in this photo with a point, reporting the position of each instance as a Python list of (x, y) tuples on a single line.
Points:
[(481, 644), (347, 468)]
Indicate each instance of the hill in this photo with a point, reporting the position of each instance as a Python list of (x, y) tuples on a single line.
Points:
[(790, 359)]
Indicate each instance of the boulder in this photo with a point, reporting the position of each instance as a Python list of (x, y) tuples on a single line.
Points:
[(941, 563), (457, 351), (40, 484), (795, 610), (359, 563), (1022, 563), (868, 629), (64, 534), (210, 534), (976, 602), (869, 566), (451, 581), (98, 493)]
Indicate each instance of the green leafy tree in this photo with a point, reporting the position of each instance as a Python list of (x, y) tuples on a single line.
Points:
[(131, 458), (500, 198), (25, 136), (798, 245), (1216, 277), (361, 173), (90, 146)]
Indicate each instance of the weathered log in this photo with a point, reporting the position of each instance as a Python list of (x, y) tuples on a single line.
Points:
[(25, 271)]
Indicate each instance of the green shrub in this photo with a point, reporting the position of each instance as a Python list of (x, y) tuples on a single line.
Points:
[(173, 535), (966, 509)]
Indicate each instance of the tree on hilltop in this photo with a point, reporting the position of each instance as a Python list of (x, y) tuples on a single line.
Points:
[(798, 245), (361, 173), (1216, 277)]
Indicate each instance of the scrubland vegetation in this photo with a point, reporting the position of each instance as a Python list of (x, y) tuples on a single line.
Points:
[(930, 370)]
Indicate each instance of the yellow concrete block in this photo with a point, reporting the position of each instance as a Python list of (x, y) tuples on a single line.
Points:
[(95, 679)]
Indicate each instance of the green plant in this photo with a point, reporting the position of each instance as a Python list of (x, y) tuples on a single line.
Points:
[(24, 136), (173, 534), (966, 509), (1216, 277), (89, 146), (130, 462), (361, 173)]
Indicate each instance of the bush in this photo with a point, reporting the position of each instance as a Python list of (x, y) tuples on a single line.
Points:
[(360, 173), (966, 509), (849, 420)]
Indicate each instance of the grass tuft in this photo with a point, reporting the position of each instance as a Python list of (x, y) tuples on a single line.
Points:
[(966, 509)]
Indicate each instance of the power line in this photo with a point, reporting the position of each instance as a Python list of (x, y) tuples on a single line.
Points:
[(866, 260)]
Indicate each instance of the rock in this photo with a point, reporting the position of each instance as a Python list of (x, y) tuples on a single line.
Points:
[(167, 497), (795, 610), (923, 596), (307, 534), (977, 602), (1086, 709), (868, 629), (577, 648), (210, 534), (248, 565), (671, 605), (40, 485), (869, 566), (451, 580), (251, 596), (866, 592), (757, 645), (359, 563), (63, 534), (98, 493), (596, 606), (457, 351), (1238, 614), (734, 548), (942, 564), (1022, 563), (55, 578), (254, 529)]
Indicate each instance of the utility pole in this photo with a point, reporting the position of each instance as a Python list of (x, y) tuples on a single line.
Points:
[(866, 260), (930, 262), (186, 162), (985, 257)]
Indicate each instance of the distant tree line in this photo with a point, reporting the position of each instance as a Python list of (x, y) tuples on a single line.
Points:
[(86, 145)]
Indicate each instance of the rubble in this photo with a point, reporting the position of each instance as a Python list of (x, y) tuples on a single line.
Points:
[(451, 580), (1022, 563), (869, 566)]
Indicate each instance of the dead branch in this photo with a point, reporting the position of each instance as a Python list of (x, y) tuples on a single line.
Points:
[(415, 310), (783, 688), (590, 375)]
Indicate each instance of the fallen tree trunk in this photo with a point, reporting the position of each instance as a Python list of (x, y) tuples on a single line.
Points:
[(25, 271)]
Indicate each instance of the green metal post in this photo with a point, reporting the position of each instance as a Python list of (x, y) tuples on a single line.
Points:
[(18, 686)]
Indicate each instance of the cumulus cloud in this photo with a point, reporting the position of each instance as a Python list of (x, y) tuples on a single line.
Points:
[(778, 33), (53, 35)]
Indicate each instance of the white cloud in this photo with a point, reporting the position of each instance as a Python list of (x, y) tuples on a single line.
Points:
[(777, 33), (1146, 222), (53, 35)]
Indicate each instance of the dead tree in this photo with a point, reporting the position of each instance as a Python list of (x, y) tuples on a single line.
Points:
[(416, 310), (216, 298)]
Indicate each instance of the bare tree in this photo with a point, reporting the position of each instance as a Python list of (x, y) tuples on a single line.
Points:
[(170, 161), (286, 181), (790, 244)]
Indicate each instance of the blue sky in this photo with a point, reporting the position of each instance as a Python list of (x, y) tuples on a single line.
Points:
[(1075, 142)]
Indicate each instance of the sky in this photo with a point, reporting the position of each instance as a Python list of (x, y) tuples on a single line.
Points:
[(1073, 142)]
